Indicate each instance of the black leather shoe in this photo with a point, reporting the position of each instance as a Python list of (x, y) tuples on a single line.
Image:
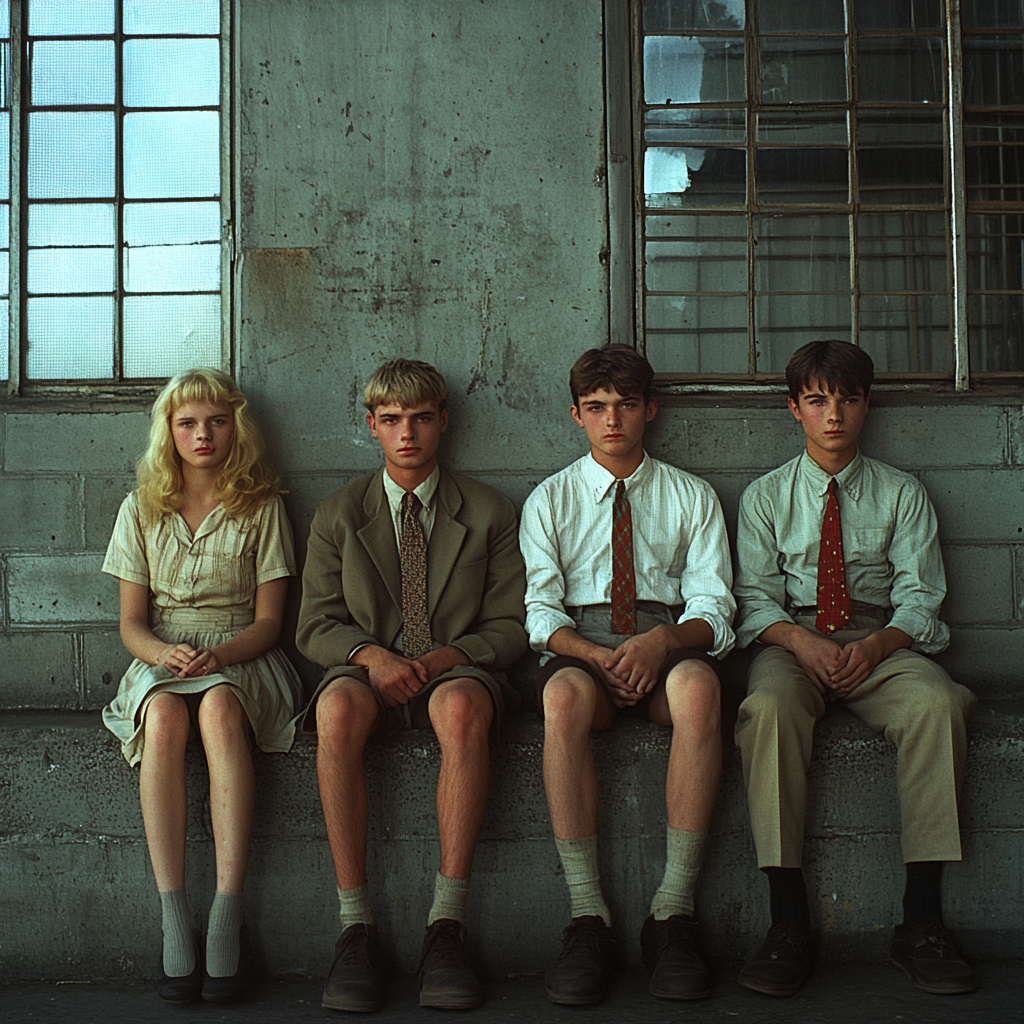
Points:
[(926, 955), (580, 975), (670, 948), (185, 989), (784, 963), (447, 981), (233, 987), (354, 981)]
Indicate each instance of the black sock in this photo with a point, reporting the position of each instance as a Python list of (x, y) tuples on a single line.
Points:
[(922, 899), (788, 896)]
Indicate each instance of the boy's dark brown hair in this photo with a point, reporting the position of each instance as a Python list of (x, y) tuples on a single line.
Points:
[(613, 366), (839, 365)]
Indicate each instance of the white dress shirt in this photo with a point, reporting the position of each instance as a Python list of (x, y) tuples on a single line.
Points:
[(680, 548), (425, 492), (890, 547)]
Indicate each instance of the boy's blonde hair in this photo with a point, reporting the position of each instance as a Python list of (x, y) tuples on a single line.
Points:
[(406, 382), (245, 483)]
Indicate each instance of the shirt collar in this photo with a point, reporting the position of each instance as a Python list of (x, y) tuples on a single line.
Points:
[(425, 492), (601, 481), (849, 479)]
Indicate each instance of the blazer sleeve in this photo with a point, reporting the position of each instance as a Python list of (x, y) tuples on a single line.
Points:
[(498, 637), (327, 633)]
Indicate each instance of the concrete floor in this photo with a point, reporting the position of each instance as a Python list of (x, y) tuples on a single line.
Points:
[(854, 994)]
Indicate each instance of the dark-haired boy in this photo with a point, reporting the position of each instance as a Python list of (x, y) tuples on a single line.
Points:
[(840, 579), (628, 589), (412, 601)]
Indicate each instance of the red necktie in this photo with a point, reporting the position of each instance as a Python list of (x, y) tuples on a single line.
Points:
[(623, 580), (833, 597)]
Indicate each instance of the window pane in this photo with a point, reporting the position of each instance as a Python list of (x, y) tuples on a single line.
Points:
[(5, 309), (70, 338), (995, 252), (789, 176), (183, 17), (902, 252), (802, 254), (171, 223), (697, 334), (996, 333), (172, 268), (685, 69), (171, 154), (172, 72), (71, 155), (70, 224), (61, 18), (72, 73), (901, 157), (820, 16), (993, 71), (879, 15), (5, 154), (5, 276), (906, 333), (811, 70), (684, 14), (63, 271), (5, 233), (695, 177), (694, 126), (810, 128), (165, 334), (785, 322), (900, 69), (992, 13), (697, 265)]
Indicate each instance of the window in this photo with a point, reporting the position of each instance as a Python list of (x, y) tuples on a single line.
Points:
[(117, 210), (822, 170)]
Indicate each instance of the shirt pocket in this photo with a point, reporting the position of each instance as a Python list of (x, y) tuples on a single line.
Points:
[(868, 545)]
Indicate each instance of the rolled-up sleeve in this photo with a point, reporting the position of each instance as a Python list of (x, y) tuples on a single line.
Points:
[(545, 583)]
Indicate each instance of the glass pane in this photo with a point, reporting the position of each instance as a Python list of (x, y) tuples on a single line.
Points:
[(63, 271), (72, 73), (785, 322), (995, 174), (183, 17), (993, 71), (165, 334), (695, 177), (5, 230), (707, 225), (803, 70), (71, 155), (683, 14), (5, 152), (992, 13), (995, 252), (790, 176), (71, 338), (5, 18), (5, 309), (61, 18), (802, 254), (172, 268), (697, 264), (811, 128), (996, 333), (695, 127), (697, 334), (171, 223), (786, 16), (901, 157), (5, 69), (900, 69), (916, 15), (172, 154), (5, 276), (902, 252), (172, 72), (685, 69), (906, 333), (71, 224)]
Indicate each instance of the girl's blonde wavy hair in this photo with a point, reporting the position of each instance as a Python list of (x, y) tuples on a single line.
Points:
[(245, 483)]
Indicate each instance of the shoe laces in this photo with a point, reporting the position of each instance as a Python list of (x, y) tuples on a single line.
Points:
[(446, 945), (355, 947), (578, 934)]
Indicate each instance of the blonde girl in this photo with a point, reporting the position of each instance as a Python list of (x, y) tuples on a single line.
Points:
[(203, 551)]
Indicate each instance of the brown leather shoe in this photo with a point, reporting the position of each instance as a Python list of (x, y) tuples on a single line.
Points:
[(784, 963), (354, 981), (670, 948), (926, 955), (580, 975), (447, 981)]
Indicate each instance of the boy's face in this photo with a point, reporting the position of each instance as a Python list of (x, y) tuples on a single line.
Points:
[(409, 437), (614, 423), (832, 421)]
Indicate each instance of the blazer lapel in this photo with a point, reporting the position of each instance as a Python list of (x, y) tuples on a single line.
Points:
[(445, 540), (378, 537)]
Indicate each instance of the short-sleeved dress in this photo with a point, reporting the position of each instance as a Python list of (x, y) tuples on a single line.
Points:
[(203, 592)]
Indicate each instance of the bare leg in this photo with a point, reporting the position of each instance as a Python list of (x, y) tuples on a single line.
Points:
[(461, 713), (345, 716), (573, 706)]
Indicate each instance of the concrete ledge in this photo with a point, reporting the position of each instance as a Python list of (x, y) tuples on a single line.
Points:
[(79, 899)]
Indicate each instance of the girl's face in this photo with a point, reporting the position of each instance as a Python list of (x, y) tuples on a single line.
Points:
[(203, 433)]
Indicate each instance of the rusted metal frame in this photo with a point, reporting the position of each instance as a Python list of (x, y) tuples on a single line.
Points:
[(854, 170), (752, 70), (119, 292), (15, 297), (958, 198), (638, 205), (227, 254)]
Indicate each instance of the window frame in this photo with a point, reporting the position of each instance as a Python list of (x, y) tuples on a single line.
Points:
[(623, 41), (17, 385)]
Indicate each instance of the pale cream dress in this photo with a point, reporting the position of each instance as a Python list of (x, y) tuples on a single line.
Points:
[(203, 592)]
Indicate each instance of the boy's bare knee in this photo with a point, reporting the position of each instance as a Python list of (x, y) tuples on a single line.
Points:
[(460, 708), (568, 698), (345, 707)]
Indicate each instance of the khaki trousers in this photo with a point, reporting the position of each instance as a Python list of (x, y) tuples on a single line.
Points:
[(908, 698)]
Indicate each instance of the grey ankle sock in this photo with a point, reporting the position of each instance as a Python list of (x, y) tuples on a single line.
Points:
[(222, 936), (179, 929), (354, 906), (450, 896), (682, 865), (579, 861)]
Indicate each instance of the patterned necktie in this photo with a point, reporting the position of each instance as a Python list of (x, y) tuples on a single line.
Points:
[(413, 553), (833, 597), (623, 580)]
